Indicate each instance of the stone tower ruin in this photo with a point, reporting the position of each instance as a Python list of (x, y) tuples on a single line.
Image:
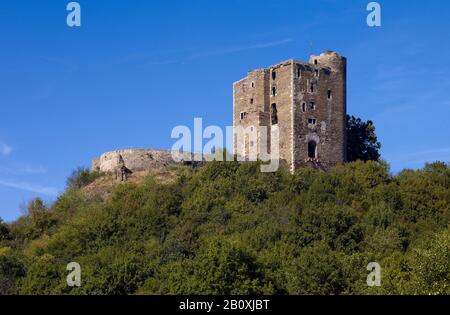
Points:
[(305, 101)]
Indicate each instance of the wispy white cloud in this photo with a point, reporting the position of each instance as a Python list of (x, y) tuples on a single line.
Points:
[(157, 58), (151, 58), (5, 149), (48, 191), (229, 50), (401, 95), (17, 168)]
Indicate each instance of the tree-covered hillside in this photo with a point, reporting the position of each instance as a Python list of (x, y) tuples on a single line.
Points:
[(227, 228)]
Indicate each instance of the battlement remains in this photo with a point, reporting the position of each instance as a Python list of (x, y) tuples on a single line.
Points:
[(134, 159)]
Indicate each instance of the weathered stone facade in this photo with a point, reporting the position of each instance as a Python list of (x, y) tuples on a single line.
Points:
[(134, 159), (306, 101)]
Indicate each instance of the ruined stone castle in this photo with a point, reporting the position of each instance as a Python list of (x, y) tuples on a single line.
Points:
[(306, 102), (134, 159)]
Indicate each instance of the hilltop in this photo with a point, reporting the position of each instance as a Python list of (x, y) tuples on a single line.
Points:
[(227, 228)]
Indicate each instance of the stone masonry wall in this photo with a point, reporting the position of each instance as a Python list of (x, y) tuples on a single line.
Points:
[(135, 160), (301, 92)]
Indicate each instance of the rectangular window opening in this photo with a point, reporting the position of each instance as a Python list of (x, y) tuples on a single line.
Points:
[(312, 121)]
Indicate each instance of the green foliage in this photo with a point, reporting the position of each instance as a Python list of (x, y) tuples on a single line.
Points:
[(362, 142), (44, 276), (227, 228), (11, 270), (81, 177), (220, 267), (37, 222), (4, 231), (431, 266), (317, 270)]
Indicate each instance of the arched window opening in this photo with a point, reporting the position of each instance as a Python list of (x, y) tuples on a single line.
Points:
[(312, 149), (274, 91), (273, 114), (330, 94), (274, 75)]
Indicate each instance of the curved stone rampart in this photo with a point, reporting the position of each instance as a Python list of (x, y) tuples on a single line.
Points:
[(134, 159)]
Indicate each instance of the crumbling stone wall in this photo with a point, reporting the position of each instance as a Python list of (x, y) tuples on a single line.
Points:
[(134, 159), (310, 101)]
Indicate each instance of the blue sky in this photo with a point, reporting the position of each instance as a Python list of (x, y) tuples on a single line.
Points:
[(136, 69)]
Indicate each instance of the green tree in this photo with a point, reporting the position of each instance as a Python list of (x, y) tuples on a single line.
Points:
[(44, 276), (227, 228), (11, 270), (81, 177), (35, 223), (221, 267), (362, 142), (317, 270), (4, 231), (431, 266)]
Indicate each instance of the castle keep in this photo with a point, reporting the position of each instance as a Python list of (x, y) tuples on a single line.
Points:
[(305, 101)]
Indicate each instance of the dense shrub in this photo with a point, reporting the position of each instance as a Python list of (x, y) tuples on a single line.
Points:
[(81, 177), (227, 228)]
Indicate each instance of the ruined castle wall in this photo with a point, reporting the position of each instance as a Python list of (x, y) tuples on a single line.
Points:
[(257, 96), (310, 102), (327, 74), (334, 149), (135, 160), (250, 100), (305, 77), (282, 100)]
